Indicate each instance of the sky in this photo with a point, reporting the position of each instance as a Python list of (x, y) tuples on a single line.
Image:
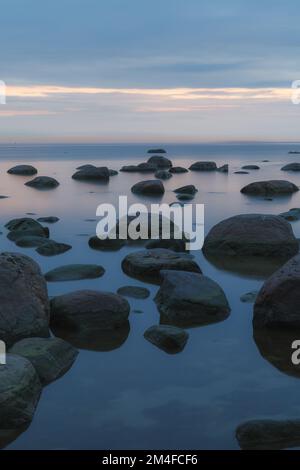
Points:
[(149, 71)]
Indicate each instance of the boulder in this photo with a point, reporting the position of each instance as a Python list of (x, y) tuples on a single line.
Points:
[(163, 175), (251, 235), (224, 168), (48, 220), (92, 174), (250, 167), (189, 189), (140, 168), (190, 299), (20, 390), (178, 169), (51, 357), (52, 248), (29, 241), (74, 272), (278, 301), (109, 244), (43, 182), (24, 170), (268, 434), (149, 188), (170, 339), (272, 187), (24, 305), (23, 224), (28, 237), (147, 264), (203, 166), (134, 291), (291, 167), (159, 162)]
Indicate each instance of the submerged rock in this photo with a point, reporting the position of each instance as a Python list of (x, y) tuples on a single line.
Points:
[(51, 357), (251, 235), (29, 241), (134, 292), (74, 272), (92, 174), (250, 167), (48, 220), (159, 162), (249, 297), (163, 175), (113, 172), (24, 170), (267, 434), (52, 248), (20, 390), (291, 167), (272, 187), (109, 244), (157, 151), (241, 172), (278, 301), (170, 339), (203, 166), (224, 168), (178, 169), (190, 299), (24, 306), (149, 188), (43, 182), (147, 264), (23, 224), (189, 189), (28, 237)]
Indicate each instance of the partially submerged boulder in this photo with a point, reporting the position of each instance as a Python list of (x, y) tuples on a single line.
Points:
[(140, 168), (74, 272), (203, 166), (291, 167), (149, 188), (188, 189), (92, 173), (135, 292), (163, 174), (159, 162), (43, 182), (178, 169), (24, 170), (272, 187), (170, 339)]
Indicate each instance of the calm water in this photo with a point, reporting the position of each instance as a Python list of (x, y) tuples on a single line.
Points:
[(136, 396)]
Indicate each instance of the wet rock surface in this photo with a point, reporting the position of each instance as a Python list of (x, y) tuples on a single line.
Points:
[(169, 338)]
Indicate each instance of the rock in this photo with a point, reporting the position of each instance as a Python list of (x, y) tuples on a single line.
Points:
[(277, 303), (43, 182), (249, 297), (241, 172), (140, 168), (159, 162), (87, 309), (29, 241), (291, 215), (291, 167), (87, 166), (23, 224), (51, 357), (92, 174), (171, 244), (113, 172), (147, 264), (267, 434), (134, 291), (48, 220), (251, 235), (52, 248), (189, 189), (28, 237), (27, 313), (265, 161), (20, 390), (203, 166), (163, 175), (3, 197), (224, 168), (294, 152), (190, 299), (25, 170), (74, 272), (178, 169), (109, 244), (185, 197), (168, 338), (156, 151), (272, 187), (250, 167), (149, 188)]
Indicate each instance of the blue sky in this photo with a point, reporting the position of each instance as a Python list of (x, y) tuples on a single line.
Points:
[(115, 46)]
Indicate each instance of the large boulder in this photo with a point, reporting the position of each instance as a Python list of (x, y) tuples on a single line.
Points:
[(190, 299), (51, 357), (159, 162), (20, 390), (24, 306), (270, 188), (43, 182), (268, 434), (170, 339), (251, 235), (291, 167), (24, 170), (149, 188), (278, 301), (92, 173), (147, 264), (203, 166), (75, 272)]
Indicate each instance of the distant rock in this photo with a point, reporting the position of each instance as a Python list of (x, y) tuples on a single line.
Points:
[(251, 235), (250, 167), (92, 174), (74, 272), (189, 189), (27, 313), (134, 291), (149, 188), (52, 248), (159, 162), (277, 303), (272, 187), (24, 170), (20, 390), (249, 297), (190, 299), (291, 167), (48, 220), (224, 168), (157, 151), (203, 166), (51, 357), (163, 175), (109, 244), (43, 182), (267, 434), (170, 339), (294, 152), (147, 264), (292, 215), (178, 169), (140, 168), (241, 172)]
